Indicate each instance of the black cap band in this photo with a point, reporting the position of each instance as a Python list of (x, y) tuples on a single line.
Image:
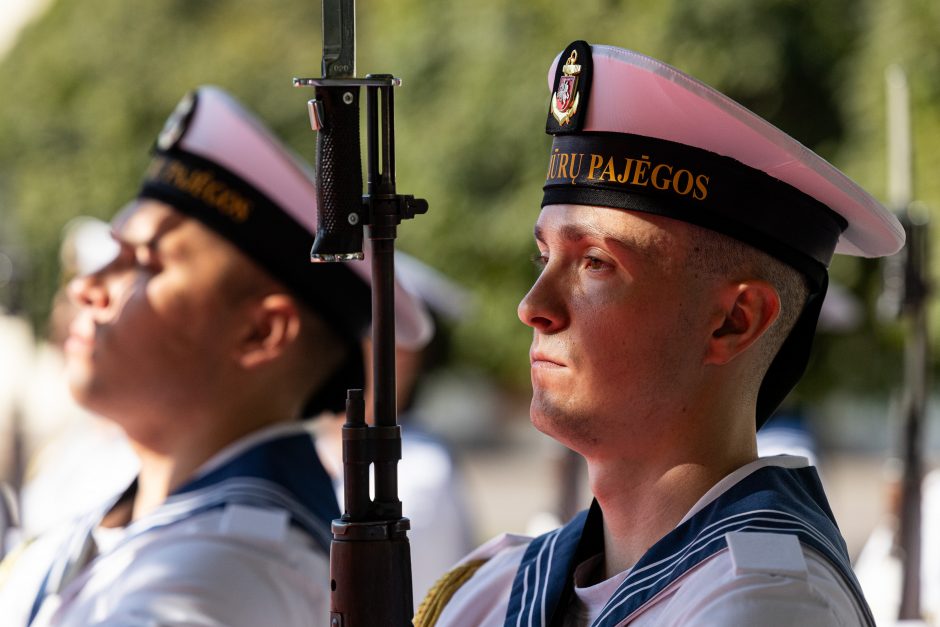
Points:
[(791, 360), (262, 231), (697, 186)]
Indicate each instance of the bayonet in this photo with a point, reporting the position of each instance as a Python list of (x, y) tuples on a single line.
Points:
[(339, 38), (334, 114), (370, 559)]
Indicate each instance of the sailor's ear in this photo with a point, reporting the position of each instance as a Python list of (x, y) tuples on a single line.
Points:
[(746, 310), (272, 325)]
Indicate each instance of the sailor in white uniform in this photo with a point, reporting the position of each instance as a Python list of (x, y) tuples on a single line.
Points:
[(763, 566), (683, 244), (206, 337), (244, 542)]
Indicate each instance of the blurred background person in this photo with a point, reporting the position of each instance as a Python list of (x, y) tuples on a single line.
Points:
[(206, 336), (880, 562), (76, 459)]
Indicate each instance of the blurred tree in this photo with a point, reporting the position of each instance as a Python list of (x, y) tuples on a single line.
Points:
[(91, 82), (906, 33)]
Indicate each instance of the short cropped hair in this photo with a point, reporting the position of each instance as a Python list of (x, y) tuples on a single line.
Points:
[(721, 256), (321, 349)]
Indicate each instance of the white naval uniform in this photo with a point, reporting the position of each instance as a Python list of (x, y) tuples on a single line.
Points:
[(759, 573), (245, 543)]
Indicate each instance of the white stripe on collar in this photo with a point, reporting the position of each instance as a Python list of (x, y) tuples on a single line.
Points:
[(783, 461)]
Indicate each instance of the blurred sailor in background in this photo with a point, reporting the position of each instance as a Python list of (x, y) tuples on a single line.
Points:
[(206, 336)]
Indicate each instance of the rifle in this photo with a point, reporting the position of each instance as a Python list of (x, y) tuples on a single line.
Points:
[(370, 560), (911, 288)]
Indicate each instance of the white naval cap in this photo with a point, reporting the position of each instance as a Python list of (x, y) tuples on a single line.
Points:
[(216, 162), (219, 163), (633, 133)]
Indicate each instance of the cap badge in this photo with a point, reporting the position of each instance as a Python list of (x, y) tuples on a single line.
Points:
[(175, 126), (566, 98)]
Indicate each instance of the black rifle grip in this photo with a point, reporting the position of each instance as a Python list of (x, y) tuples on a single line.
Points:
[(339, 176)]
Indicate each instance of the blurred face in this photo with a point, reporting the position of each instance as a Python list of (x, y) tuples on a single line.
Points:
[(617, 325), (153, 329)]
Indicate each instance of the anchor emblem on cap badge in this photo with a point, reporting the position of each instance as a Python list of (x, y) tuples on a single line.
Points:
[(566, 97)]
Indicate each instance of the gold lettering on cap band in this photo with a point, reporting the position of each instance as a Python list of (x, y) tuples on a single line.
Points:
[(640, 173), (202, 185), (627, 171)]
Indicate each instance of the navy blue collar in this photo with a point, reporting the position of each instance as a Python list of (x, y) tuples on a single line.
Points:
[(771, 499), (283, 472)]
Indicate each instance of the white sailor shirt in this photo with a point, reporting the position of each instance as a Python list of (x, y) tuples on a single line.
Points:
[(245, 543), (763, 565)]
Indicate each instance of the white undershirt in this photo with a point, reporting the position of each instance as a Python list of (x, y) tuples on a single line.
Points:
[(106, 538), (591, 599)]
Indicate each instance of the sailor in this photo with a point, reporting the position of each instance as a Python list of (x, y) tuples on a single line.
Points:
[(206, 336), (683, 244)]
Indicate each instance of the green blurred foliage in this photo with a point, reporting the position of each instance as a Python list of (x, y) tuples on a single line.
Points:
[(89, 84), (905, 33)]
